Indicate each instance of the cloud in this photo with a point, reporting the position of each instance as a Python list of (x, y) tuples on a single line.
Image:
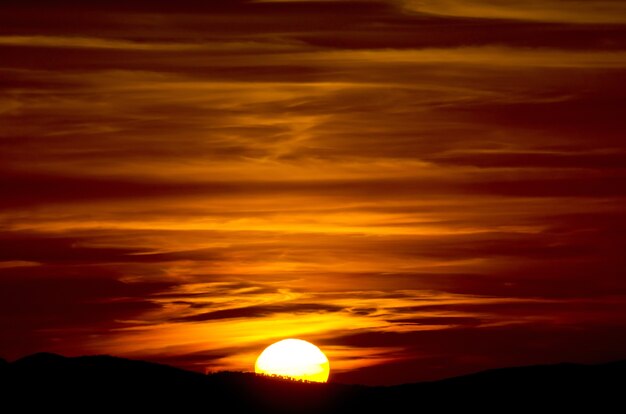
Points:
[(260, 311), (436, 354), (428, 189), (438, 321), (534, 159), (89, 43), (573, 11), (54, 312)]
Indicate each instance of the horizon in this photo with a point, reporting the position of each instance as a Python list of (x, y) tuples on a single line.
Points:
[(421, 189), (68, 382), (330, 381)]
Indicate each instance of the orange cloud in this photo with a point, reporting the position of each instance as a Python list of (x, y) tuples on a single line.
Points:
[(421, 194), (576, 11)]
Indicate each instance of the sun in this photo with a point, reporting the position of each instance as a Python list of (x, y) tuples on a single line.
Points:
[(295, 359)]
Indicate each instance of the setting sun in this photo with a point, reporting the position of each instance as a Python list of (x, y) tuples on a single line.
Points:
[(295, 359)]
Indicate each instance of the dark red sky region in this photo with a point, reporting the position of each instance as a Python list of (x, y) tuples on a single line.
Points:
[(421, 188)]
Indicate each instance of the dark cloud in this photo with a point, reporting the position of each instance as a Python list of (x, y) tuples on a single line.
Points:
[(54, 312), (437, 321), (45, 248), (260, 311), (31, 190), (196, 361), (363, 311), (330, 24), (436, 354), (54, 249), (535, 159)]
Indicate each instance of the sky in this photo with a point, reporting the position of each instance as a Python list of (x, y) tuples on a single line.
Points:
[(422, 188)]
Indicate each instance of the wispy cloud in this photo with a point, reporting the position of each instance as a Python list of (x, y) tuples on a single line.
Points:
[(91, 43), (415, 186), (576, 11)]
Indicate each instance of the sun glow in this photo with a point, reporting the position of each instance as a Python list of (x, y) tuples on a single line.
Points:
[(295, 359)]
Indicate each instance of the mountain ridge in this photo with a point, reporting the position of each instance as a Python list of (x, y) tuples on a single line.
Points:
[(69, 382)]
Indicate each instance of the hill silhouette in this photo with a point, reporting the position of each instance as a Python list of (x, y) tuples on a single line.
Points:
[(83, 384)]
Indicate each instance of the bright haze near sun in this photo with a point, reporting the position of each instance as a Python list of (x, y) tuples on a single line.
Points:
[(294, 359)]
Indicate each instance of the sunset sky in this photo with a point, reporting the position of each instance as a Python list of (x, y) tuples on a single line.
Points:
[(422, 188)]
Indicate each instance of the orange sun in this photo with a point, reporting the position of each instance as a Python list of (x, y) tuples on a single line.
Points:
[(295, 359)]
